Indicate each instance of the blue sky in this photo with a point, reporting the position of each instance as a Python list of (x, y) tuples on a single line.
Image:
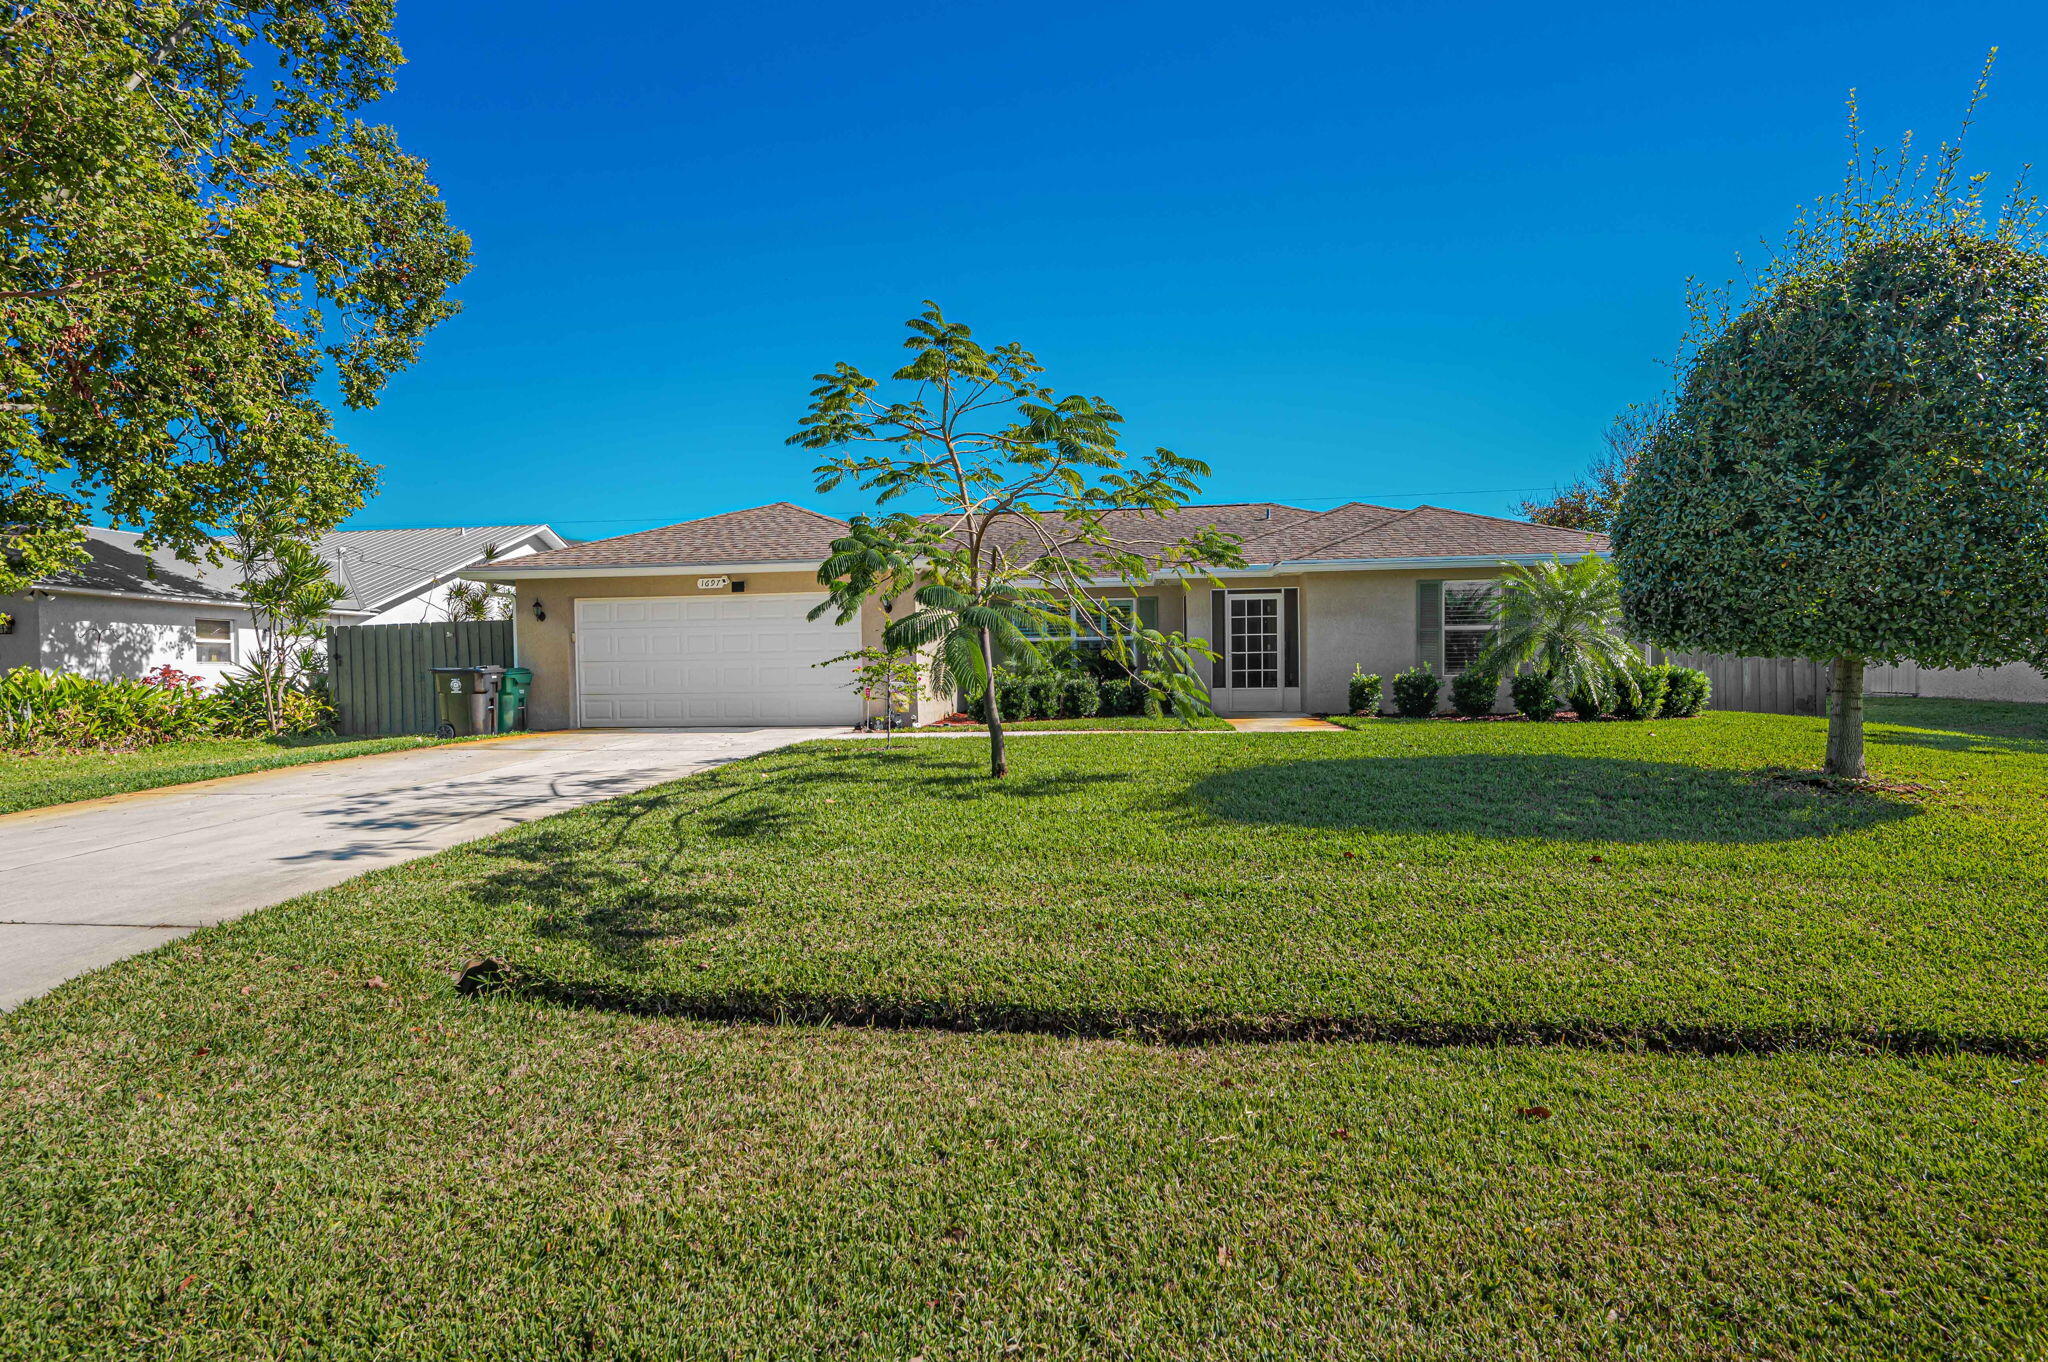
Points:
[(1398, 253)]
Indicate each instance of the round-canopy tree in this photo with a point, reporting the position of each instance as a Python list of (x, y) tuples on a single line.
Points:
[(198, 235), (1855, 466)]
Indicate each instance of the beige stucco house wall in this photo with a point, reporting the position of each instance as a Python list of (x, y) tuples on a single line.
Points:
[(1349, 619)]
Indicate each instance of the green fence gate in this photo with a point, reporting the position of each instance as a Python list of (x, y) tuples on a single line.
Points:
[(378, 672)]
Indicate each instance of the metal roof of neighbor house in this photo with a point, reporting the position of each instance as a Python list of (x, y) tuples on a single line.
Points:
[(1272, 533), (377, 567), (120, 564), (372, 567)]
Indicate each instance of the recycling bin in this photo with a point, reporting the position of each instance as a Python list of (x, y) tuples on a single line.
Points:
[(512, 689)]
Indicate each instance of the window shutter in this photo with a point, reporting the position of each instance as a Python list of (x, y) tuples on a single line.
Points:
[(1217, 640), (1148, 618), (1290, 640), (1429, 624)]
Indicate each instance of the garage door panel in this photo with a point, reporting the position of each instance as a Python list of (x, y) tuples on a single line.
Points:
[(712, 660)]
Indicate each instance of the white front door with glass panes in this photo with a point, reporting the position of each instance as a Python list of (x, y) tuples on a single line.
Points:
[(1470, 614), (1254, 657)]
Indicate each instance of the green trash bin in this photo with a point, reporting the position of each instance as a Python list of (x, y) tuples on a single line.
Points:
[(512, 689), (463, 700)]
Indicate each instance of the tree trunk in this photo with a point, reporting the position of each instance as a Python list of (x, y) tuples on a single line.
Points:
[(998, 758), (1845, 718)]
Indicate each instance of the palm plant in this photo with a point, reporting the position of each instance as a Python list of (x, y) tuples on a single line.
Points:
[(1563, 621), (968, 624), (970, 628)]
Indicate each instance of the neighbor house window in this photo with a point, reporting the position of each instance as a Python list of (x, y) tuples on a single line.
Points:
[(1469, 612), (216, 640)]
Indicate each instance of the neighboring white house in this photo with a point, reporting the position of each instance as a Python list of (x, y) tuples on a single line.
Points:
[(127, 611)]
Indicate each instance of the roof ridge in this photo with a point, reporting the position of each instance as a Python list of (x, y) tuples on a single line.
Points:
[(412, 529), (1356, 531), (1503, 519), (700, 520), (1349, 532)]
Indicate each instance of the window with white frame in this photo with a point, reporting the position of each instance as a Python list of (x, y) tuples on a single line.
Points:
[(1470, 616), (1084, 628), (216, 640)]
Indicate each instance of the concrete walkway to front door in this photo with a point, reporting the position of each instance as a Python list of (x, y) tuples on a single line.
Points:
[(1284, 723), (83, 885)]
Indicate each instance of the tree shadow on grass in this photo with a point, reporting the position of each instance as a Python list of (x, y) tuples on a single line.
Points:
[(617, 907), (1540, 796), (1988, 746)]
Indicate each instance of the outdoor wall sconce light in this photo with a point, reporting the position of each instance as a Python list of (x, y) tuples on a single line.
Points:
[(538, 613)]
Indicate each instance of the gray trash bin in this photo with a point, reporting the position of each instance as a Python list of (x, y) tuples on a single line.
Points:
[(466, 700)]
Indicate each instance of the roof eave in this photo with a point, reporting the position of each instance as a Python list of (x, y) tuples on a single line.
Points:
[(512, 572), (1291, 567), (225, 602)]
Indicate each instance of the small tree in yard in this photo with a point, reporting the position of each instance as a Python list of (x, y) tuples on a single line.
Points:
[(1856, 465), (1036, 503), (289, 594), (888, 675)]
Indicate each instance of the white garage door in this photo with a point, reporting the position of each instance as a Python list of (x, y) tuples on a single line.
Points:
[(680, 660)]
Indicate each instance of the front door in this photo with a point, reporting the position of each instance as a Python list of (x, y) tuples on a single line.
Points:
[(1254, 637)]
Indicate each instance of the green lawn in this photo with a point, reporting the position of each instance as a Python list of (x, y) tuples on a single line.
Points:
[(1760, 1083), (1100, 723), (31, 782)]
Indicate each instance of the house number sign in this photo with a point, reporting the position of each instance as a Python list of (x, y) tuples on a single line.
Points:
[(713, 583)]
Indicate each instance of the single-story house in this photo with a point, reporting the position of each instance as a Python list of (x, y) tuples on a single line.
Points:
[(707, 622), (128, 610)]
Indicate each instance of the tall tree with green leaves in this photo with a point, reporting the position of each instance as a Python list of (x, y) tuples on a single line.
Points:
[(196, 232), (1856, 464), (1038, 508)]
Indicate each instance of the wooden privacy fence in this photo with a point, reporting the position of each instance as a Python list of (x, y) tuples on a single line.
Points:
[(1761, 685), (378, 672)]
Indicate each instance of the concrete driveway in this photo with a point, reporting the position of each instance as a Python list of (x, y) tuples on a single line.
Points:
[(83, 885)]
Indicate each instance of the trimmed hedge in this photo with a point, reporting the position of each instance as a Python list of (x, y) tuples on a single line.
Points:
[(1065, 695), (1534, 696), (1474, 692), (1639, 694), (1416, 691), (1364, 692), (1687, 692)]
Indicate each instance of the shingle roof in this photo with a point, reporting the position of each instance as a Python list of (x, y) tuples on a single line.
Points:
[(1302, 538), (377, 566), (1434, 532), (1245, 519), (778, 533), (372, 567), (1272, 533)]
